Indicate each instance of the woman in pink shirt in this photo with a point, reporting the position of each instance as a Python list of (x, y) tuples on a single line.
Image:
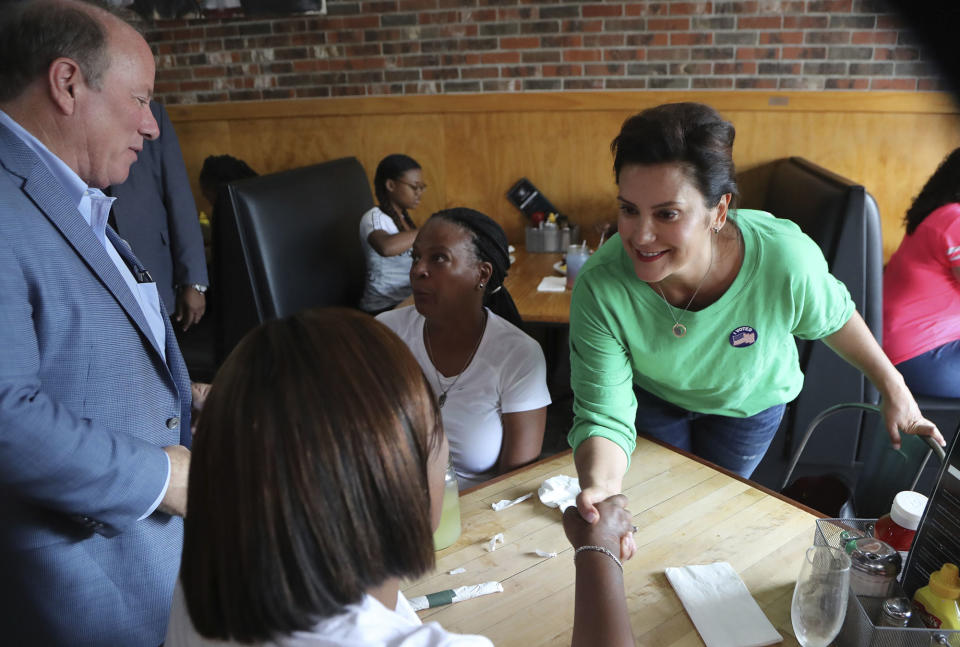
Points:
[(921, 288)]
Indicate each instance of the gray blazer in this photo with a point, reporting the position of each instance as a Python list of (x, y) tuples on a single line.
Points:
[(86, 403), (156, 214)]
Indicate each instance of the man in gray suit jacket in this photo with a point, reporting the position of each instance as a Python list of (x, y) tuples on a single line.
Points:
[(156, 214), (95, 399)]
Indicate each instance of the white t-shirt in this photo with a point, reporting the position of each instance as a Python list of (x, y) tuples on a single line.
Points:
[(508, 374), (367, 624), (388, 277)]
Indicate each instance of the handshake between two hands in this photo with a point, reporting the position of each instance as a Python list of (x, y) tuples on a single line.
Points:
[(600, 519)]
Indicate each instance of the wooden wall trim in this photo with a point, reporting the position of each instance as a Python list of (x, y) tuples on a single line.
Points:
[(810, 102)]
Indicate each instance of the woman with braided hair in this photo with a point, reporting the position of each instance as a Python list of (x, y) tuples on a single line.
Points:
[(387, 231), (489, 376)]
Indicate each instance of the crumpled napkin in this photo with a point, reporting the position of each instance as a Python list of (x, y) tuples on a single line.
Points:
[(496, 539), (559, 492), (552, 284), (721, 607), (503, 504)]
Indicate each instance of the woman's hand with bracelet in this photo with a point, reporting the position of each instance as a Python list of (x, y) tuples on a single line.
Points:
[(590, 499), (607, 533)]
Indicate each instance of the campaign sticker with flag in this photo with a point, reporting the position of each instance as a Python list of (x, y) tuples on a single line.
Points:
[(743, 336)]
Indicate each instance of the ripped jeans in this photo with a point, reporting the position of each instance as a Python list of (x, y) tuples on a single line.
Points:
[(737, 444)]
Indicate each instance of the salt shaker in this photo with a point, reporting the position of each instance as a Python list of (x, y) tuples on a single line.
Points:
[(894, 612)]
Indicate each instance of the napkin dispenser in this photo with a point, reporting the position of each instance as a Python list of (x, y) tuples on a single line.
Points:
[(528, 199)]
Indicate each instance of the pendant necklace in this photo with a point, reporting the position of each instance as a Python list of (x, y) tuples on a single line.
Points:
[(679, 330), (442, 400)]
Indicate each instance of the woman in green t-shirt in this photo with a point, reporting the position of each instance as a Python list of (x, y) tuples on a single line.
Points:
[(683, 325)]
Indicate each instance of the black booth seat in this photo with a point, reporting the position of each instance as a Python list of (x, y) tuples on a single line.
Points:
[(288, 241), (843, 219)]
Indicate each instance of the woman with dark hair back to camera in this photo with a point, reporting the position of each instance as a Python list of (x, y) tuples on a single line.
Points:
[(683, 326), (489, 376), (387, 232), (218, 170), (921, 288), (316, 484)]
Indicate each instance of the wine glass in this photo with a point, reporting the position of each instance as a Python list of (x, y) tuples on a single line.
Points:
[(820, 598)]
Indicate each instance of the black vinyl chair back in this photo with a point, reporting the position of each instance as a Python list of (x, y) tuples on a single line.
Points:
[(288, 241), (843, 219)]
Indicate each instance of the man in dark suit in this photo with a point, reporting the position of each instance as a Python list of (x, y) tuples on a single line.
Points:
[(156, 214), (94, 396)]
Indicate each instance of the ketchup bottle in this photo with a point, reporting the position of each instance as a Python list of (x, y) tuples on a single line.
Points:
[(899, 526)]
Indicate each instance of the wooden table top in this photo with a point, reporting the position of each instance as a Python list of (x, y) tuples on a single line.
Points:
[(522, 280), (687, 512)]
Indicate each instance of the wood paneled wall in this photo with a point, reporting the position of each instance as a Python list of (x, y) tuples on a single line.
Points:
[(474, 147)]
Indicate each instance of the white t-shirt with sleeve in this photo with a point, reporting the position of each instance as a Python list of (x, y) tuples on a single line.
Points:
[(508, 374), (388, 277), (366, 624)]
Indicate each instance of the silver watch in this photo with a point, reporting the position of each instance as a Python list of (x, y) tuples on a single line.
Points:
[(199, 288)]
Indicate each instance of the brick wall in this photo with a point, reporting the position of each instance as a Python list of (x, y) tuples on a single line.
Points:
[(445, 46)]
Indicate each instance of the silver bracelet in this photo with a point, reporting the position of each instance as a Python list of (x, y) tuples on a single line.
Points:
[(599, 549)]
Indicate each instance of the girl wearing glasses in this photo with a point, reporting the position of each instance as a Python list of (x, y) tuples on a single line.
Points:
[(387, 232)]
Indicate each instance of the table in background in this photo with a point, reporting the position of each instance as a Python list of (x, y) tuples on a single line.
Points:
[(522, 280), (687, 511)]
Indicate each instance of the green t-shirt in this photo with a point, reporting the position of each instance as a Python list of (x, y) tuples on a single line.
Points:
[(738, 357)]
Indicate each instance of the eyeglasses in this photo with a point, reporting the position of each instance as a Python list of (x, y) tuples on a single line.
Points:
[(419, 188)]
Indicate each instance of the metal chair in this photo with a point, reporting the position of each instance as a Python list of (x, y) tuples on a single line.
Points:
[(884, 471)]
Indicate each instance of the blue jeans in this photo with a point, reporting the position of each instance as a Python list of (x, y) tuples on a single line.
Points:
[(935, 373), (737, 444)]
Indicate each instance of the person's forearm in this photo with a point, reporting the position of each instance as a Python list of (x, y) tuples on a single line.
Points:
[(855, 343), (394, 244), (600, 462), (522, 438), (175, 498), (600, 608)]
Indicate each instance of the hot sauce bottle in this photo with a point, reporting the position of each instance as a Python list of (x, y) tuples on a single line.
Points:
[(899, 526)]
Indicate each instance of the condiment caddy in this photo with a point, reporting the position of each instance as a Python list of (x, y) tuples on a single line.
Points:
[(867, 623)]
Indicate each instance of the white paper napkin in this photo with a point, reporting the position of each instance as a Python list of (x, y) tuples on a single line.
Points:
[(552, 284), (559, 491), (721, 607)]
